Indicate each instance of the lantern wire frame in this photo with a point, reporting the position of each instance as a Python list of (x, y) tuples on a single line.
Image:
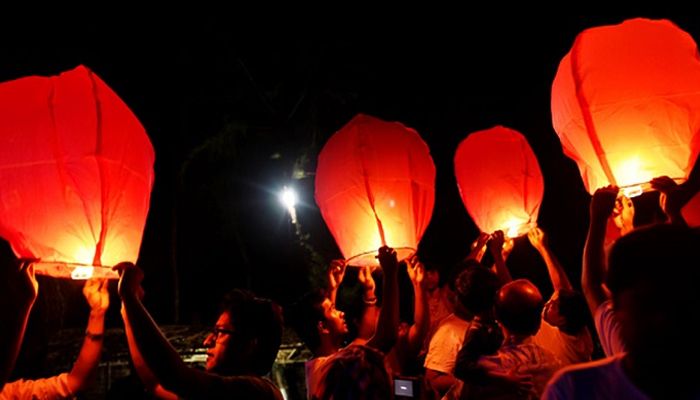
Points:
[(638, 188), (370, 257), (74, 271)]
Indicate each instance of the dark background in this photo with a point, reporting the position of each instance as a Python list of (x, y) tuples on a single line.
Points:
[(233, 112)]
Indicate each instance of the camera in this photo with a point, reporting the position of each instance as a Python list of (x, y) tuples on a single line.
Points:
[(406, 387)]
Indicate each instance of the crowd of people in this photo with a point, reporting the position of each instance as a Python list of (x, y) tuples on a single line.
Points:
[(477, 334)]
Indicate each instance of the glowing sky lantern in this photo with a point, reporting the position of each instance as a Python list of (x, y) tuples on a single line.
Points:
[(499, 180), (76, 172), (375, 185), (626, 104)]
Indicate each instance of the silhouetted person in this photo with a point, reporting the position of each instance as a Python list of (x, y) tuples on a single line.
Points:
[(410, 337), (518, 309), (563, 330), (593, 274), (356, 372), (323, 328), (241, 348), (652, 277)]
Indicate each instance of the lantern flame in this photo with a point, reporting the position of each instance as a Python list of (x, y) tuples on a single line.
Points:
[(82, 272)]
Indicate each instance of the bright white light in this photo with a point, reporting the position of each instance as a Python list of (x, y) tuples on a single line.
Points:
[(512, 227), (288, 198), (632, 191), (82, 272)]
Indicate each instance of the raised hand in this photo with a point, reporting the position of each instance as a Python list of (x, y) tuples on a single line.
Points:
[(603, 202), (130, 277), (365, 277), (387, 259), (96, 294), (673, 196), (537, 238), (336, 272), (415, 270), (496, 242)]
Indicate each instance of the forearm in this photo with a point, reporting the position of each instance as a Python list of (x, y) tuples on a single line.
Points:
[(556, 272), (421, 320), (332, 294), (368, 324), (593, 274), (501, 268), (89, 356), (156, 352), (147, 378), (388, 320)]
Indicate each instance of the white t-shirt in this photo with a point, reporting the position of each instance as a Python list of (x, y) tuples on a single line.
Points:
[(55, 387), (602, 379), (569, 349), (445, 344), (608, 327)]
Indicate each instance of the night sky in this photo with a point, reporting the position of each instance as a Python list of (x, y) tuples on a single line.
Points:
[(231, 111)]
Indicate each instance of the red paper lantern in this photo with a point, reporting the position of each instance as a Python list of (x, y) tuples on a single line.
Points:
[(375, 185), (76, 171), (499, 180), (625, 104)]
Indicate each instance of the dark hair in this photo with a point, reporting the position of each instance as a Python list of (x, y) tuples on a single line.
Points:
[(304, 316), (355, 372), (456, 270), (573, 307), (518, 311), (431, 266), (649, 254), (476, 288), (258, 319)]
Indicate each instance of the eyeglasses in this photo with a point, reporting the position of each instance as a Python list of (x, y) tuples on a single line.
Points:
[(217, 332)]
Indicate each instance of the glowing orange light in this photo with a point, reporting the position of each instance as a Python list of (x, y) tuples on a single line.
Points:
[(375, 185), (499, 180), (625, 101)]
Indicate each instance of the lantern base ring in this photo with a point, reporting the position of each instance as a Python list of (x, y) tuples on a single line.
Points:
[(637, 189), (370, 257), (76, 271)]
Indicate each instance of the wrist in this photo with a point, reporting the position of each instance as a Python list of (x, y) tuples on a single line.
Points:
[(97, 313), (94, 335), (369, 301), (369, 296)]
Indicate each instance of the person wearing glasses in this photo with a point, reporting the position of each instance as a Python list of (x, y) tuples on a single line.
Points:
[(240, 349)]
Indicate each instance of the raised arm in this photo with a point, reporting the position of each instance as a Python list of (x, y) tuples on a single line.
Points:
[(97, 296), (370, 312), (593, 274), (157, 353), (556, 273), (336, 273), (18, 291), (674, 197), (148, 380), (478, 247), (421, 316), (496, 248), (388, 322)]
